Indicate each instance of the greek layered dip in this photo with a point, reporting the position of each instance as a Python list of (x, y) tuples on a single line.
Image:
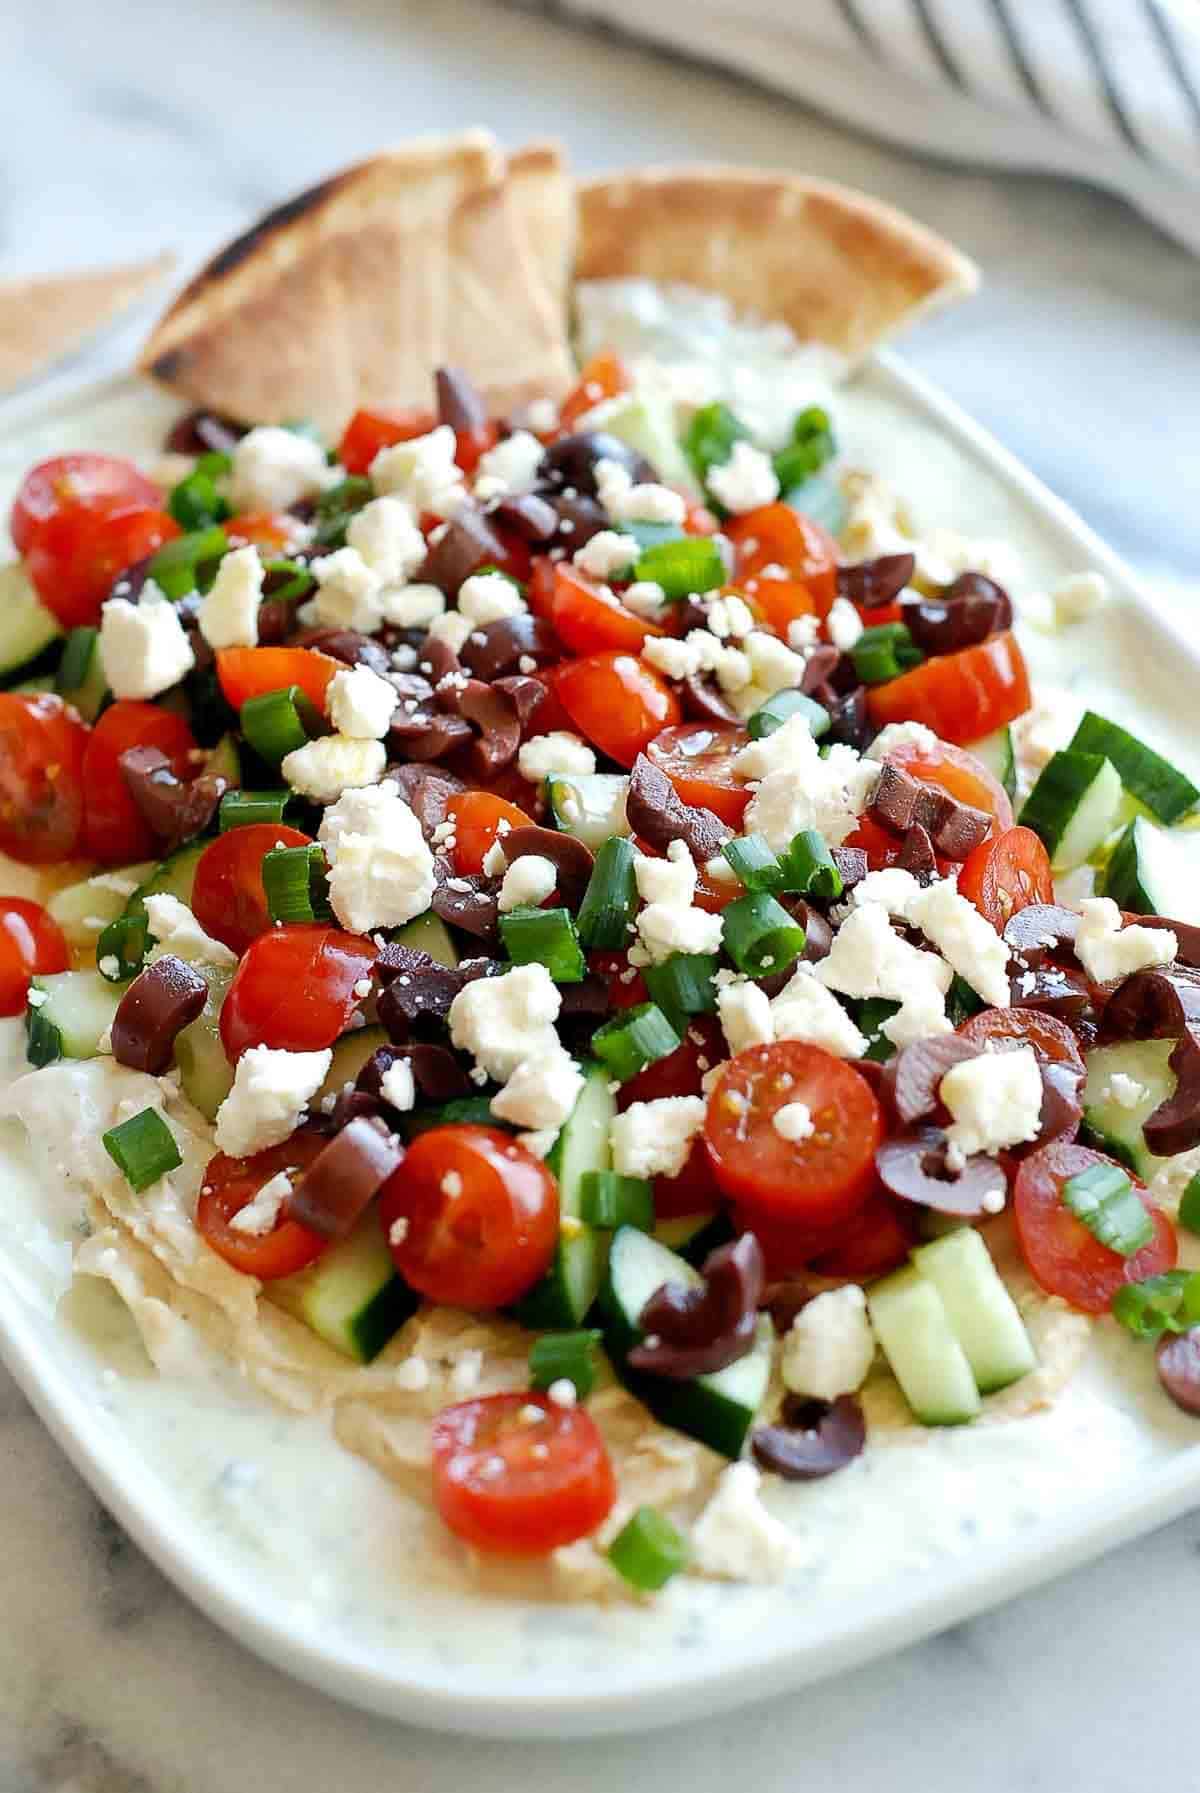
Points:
[(565, 945)]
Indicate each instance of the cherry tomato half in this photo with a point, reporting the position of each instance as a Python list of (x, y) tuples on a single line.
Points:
[(779, 602), (115, 831), (814, 1182), (698, 759), (369, 431), (294, 989), (617, 703), (589, 619), (253, 671), (962, 696), (514, 1485), (960, 774), (73, 480), (481, 1214), (680, 1072), (1062, 1255), (477, 816), (231, 1184), (30, 941), (76, 556), (604, 376), (228, 898), (1005, 874), (777, 536), (42, 747)]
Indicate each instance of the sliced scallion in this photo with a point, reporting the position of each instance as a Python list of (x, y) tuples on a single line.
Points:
[(610, 900), (811, 447), (1103, 1198), (710, 438), (635, 1039), (564, 1357), (336, 507), (122, 945), (143, 1148), (544, 937), (295, 883), (1166, 1303), (239, 809), (286, 581), (609, 1200), (1189, 1206), (649, 1550), (683, 985), (277, 722), (754, 862), (759, 934), (776, 711), (43, 1040), (196, 502), (173, 568), (883, 652), (76, 663), (809, 868), (691, 564), (961, 1001), (869, 1017)]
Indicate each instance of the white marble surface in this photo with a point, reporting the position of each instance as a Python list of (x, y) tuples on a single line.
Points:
[(131, 125)]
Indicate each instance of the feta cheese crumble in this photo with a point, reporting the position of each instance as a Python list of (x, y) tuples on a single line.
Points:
[(868, 958), (348, 594), (422, 472), (386, 535), (1125, 1091), (541, 1092), (511, 466), (144, 648), (398, 1087), (844, 624), (735, 1537), (271, 1090), (259, 1216), (830, 1347), (1106, 949), (608, 555), (653, 1139), (502, 1020), (744, 1009), (559, 751), (380, 868), (806, 1010), (324, 768), (996, 1100), (794, 1122), (274, 468), (745, 481), (487, 597), (527, 882), (229, 614), (177, 931), (361, 703)]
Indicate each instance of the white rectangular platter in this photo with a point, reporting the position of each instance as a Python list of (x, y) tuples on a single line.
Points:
[(297, 1548)]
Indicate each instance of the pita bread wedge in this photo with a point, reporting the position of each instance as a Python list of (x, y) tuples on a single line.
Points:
[(47, 317), (542, 195), (838, 267)]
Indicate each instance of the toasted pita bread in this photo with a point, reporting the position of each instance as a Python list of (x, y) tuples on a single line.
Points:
[(47, 317), (838, 267), (353, 292), (542, 194)]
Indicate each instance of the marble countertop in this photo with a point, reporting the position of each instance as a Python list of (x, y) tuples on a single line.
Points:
[(130, 126)]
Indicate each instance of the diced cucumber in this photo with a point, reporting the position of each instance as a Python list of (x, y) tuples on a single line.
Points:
[(81, 679), (1113, 1127), (997, 754), (681, 1231), (981, 1312), (428, 934), (1156, 871), (645, 421), (85, 909), (352, 1297), (1074, 806), (916, 1337), (570, 1286), (589, 805), (225, 761), (173, 876), (718, 1409), (1150, 778), (26, 626), (76, 1012), (350, 1054), (204, 1070)]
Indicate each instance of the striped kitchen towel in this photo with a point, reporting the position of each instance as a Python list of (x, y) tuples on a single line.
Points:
[(1106, 90)]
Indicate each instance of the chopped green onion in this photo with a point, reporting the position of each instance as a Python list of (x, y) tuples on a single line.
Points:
[(691, 564), (610, 900), (775, 712), (277, 722), (239, 809), (754, 862), (1103, 1198), (809, 868), (759, 934), (710, 438), (635, 1039), (76, 660), (544, 937), (564, 1357), (869, 1017), (1189, 1206), (1166, 1303), (961, 1001), (173, 568), (649, 1550), (196, 502), (811, 447), (683, 985), (43, 1040), (298, 581), (143, 1148), (883, 652), (652, 535), (336, 507), (609, 1200), (295, 883), (123, 942)]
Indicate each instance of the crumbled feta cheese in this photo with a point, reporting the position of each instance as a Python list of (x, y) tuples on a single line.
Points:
[(502, 1020), (413, 606), (667, 654), (542, 414), (1077, 597), (259, 1217), (830, 1347), (177, 931), (669, 880), (144, 648), (773, 667), (109, 966), (794, 1122), (229, 613), (646, 598), (1125, 1091), (735, 1536), (789, 748), (895, 888), (486, 597), (422, 472), (843, 624), (995, 1099), (386, 535), (275, 468), (800, 789), (1107, 950), (361, 703), (803, 633), (746, 481), (494, 863), (607, 555), (397, 1085), (541, 1092), (653, 1139), (511, 466), (669, 924), (348, 592), (868, 958), (806, 1010), (744, 1009), (528, 881), (271, 1090), (380, 868), (902, 734), (413, 1374), (324, 768), (541, 1142), (357, 811), (729, 617), (452, 628), (557, 752), (627, 503), (965, 939)]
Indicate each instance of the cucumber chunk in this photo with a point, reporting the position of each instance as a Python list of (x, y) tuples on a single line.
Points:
[(26, 626), (84, 910), (589, 805), (570, 1286), (428, 934), (81, 679), (1113, 1127), (205, 1073), (352, 1297), (76, 1012), (982, 1314), (718, 1409), (916, 1337), (997, 754), (350, 1054), (1154, 871), (1074, 806), (173, 876), (646, 422), (1150, 778)]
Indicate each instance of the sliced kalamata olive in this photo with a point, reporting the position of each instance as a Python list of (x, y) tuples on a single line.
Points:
[(784, 1300), (468, 901), (870, 583), (158, 1005), (469, 543), (572, 460), (965, 614), (1157, 1004), (1062, 1105), (1039, 929), (437, 1074), (203, 432), (275, 622), (343, 1178), (577, 519), (812, 1439), (690, 1331), (459, 403), (590, 998), (901, 802), (702, 700), (1055, 990), (526, 694), (174, 809), (528, 515), (500, 646), (849, 721), (416, 986), (658, 815), (851, 863), (1175, 1124), (350, 1105), (916, 855), (351, 648), (426, 737), (818, 934), (914, 1168), (571, 859), (427, 790), (918, 1071), (1177, 1360), (438, 660)]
